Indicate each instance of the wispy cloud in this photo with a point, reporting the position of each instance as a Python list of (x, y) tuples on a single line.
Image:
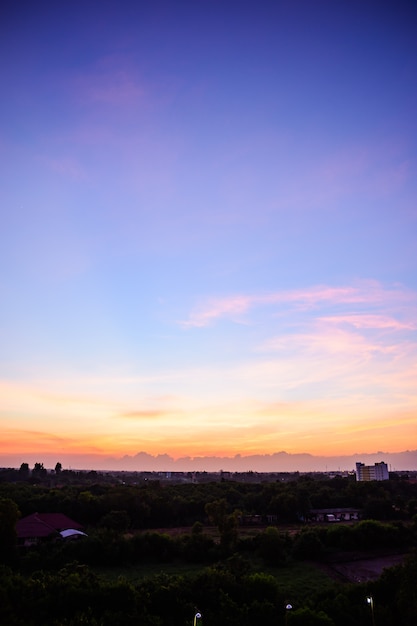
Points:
[(333, 364), (363, 293), (380, 322), (38, 440), (145, 414), (214, 309)]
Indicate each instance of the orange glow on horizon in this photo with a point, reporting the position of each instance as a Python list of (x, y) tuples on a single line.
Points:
[(326, 442)]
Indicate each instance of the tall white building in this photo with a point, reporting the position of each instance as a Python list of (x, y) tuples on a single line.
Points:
[(379, 471)]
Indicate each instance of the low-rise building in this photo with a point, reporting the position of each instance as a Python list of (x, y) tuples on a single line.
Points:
[(39, 527)]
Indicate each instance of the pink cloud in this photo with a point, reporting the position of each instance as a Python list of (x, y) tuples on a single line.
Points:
[(379, 322), (214, 309), (365, 292), (333, 341)]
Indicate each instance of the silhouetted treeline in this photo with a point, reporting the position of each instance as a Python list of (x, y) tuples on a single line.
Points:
[(153, 504), (106, 547)]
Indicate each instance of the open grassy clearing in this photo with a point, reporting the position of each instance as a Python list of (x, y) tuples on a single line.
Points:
[(295, 577), (136, 573), (244, 532)]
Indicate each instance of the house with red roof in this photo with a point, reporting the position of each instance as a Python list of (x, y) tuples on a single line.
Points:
[(38, 527)]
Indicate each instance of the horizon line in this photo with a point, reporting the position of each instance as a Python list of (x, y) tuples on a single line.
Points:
[(282, 461)]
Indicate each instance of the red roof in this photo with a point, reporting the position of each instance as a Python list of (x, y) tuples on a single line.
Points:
[(44, 524)]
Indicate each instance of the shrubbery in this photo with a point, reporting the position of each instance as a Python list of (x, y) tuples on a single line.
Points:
[(54, 584), (75, 596)]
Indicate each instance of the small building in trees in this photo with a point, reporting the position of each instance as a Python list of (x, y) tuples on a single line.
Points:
[(334, 514), (38, 527)]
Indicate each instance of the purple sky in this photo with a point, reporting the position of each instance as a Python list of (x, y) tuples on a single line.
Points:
[(209, 226)]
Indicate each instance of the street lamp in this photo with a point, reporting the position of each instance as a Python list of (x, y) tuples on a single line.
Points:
[(197, 618), (288, 608), (370, 601)]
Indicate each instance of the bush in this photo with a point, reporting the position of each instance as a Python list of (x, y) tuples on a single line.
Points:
[(308, 546), (307, 617), (272, 546)]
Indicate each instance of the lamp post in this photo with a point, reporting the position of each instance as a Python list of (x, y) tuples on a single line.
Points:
[(197, 618), (370, 601), (288, 608)]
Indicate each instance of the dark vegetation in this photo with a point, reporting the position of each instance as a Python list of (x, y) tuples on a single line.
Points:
[(156, 552)]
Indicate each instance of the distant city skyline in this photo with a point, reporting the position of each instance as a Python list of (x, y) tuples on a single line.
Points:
[(209, 230), (277, 462)]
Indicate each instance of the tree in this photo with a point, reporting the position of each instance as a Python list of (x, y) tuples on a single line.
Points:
[(198, 547), (217, 512), (38, 470), (272, 546), (308, 546), (116, 520), (24, 470), (260, 586), (9, 514), (226, 523), (307, 617), (58, 468), (285, 506)]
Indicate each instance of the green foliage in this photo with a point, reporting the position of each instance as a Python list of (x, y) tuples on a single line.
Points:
[(308, 545), (340, 537), (261, 612), (308, 617), (115, 520), (217, 512), (9, 514), (272, 546), (285, 506), (373, 534), (260, 586), (198, 547), (75, 595), (88, 496), (379, 508), (249, 579)]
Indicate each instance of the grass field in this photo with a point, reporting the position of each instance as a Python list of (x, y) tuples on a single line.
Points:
[(297, 579)]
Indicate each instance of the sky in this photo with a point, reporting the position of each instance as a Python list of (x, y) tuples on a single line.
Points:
[(208, 230)]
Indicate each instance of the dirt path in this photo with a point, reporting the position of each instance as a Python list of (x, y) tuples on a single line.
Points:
[(362, 570)]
